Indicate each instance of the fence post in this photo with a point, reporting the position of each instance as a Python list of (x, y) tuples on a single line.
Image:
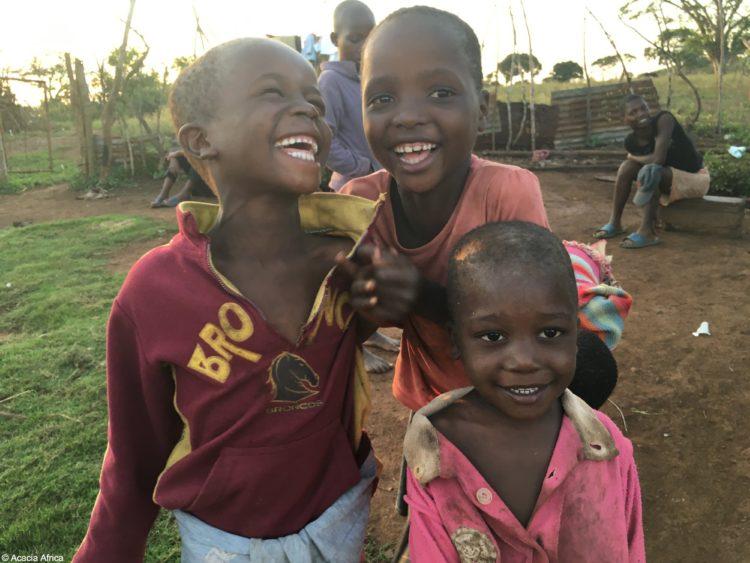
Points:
[(84, 101), (3, 162), (49, 126)]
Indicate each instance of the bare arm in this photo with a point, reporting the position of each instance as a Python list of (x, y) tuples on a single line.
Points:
[(664, 129)]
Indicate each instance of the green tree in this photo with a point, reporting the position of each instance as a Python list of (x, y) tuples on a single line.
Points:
[(142, 92), (520, 65), (611, 61), (566, 71)]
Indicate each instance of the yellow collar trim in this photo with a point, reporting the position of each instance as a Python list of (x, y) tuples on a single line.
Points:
[(324, 213)]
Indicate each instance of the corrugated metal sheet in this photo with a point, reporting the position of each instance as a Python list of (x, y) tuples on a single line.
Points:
[(546, 124), (606, 113)]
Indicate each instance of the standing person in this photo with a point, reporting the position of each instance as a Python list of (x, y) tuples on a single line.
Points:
[(559, 482), (666, 164), (235, 384), (350, 156), (424, 105), (311, 49)]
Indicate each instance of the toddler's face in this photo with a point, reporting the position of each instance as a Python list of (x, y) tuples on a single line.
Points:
[(268, 127), (421, 107), (517, 338)]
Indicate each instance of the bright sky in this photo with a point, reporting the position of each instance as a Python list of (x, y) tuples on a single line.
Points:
[(89, 29)]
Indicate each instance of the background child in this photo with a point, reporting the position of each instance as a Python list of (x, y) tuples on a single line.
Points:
[(235, 385), (339, 83), (558, 481), (424, 104), (350, 157)]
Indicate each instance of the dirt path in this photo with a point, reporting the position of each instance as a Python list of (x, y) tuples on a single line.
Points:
[(685, 399), (59, 202)]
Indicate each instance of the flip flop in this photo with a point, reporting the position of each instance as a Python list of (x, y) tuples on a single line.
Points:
[(636, 240), (607, 231), (157, 203), (173, 201)]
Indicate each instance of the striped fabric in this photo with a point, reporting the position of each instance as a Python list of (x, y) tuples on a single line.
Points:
[(603, 305)]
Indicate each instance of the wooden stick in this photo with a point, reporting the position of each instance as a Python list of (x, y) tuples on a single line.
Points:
[(588, 85), (614, 46), (3, 160), (49, 127), (14, 396), (624, 422), (532, 107), (509, 142)]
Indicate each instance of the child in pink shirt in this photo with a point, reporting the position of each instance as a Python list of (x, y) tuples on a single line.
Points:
[(517, 468)]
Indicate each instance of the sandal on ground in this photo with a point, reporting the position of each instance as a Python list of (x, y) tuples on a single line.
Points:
[(637, 240), (173, 201), (158, 202), (607, 231)]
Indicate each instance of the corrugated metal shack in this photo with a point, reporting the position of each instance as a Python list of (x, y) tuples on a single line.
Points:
[(546, 124), (606, 103)]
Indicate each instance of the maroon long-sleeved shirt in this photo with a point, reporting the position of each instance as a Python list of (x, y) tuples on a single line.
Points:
[(213, 412)]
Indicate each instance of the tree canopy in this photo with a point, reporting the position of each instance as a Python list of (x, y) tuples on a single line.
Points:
[(566, 71), (520, 66)]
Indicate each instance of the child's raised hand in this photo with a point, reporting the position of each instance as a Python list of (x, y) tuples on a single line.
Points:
[(385, 285)]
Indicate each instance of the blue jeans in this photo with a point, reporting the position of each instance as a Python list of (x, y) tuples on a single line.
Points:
[(336, 535)]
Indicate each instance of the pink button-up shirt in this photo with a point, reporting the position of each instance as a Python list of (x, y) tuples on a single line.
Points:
[(588, 510)]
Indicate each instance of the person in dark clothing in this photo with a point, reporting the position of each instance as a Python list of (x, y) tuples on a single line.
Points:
[(178, 164), (666, 164)]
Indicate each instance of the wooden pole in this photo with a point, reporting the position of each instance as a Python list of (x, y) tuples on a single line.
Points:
[(3, 161), (108, 112), (49, 127), (87, 118), (75, 106), (588, 85), (509, 142), (532, 107), (617, 51), (722, 57)]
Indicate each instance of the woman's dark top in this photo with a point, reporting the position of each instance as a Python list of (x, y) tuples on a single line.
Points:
[(681, 153)]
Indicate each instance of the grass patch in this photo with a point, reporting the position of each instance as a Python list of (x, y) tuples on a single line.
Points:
[(55, 295), (63, 170)]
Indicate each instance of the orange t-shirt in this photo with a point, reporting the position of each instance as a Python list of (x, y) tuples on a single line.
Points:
[(493, 192)]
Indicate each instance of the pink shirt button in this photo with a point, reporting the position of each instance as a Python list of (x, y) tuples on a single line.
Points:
[(484, 496)]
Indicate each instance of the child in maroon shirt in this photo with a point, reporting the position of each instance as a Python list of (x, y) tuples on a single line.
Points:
[(235, 383)]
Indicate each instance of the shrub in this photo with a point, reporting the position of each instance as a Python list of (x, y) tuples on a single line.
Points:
[(729, 176)]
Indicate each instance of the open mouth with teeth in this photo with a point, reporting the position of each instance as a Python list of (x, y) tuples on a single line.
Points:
[(414, 153), (525, 393), (301, 147)]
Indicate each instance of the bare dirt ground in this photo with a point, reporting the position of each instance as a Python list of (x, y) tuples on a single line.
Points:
[(685, 399)]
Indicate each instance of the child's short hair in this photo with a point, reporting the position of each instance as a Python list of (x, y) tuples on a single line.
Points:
[(194, 92), (469, 41), (345, 8), (509, 246)]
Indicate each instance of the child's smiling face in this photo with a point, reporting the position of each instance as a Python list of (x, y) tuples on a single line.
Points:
[(268, 128), (517, 338), (422, 109)]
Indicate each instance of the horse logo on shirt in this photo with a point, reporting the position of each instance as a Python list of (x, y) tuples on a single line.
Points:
[(292, 379)]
